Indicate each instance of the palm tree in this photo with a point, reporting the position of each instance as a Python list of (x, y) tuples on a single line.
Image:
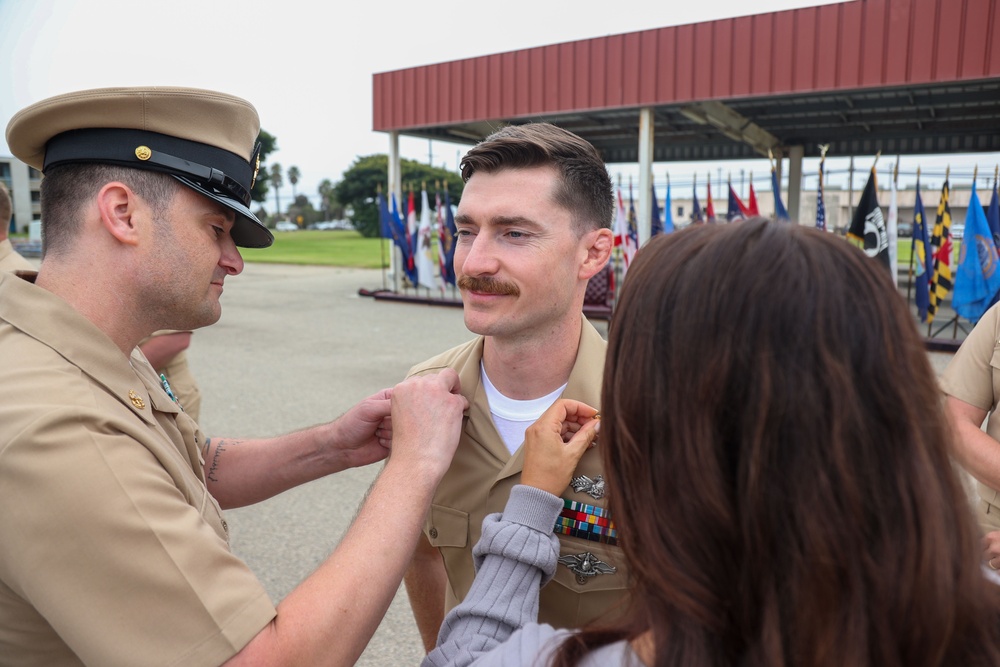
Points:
[(293, 178), (277, 182), (325, 195)]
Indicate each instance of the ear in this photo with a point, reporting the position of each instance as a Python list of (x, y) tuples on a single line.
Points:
[(598, 245), (118, 205)]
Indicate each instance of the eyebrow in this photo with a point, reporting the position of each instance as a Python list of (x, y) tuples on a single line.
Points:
[(499, 221)]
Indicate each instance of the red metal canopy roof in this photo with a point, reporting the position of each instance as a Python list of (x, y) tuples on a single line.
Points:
[(901, 76)]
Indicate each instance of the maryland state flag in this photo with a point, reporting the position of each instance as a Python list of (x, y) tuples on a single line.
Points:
[(868, 225), (941, 282)]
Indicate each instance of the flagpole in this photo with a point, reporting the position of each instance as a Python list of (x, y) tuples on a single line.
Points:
[(913, 246), (378, 191)]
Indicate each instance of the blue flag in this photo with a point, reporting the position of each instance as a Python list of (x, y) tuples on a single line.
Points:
[(779, 208), (452, 233), (993, 218), (920, 249), (668, 217), (656, 224), (696, 214), (820, 206), (978, 279), (399, 238), (385, 220)]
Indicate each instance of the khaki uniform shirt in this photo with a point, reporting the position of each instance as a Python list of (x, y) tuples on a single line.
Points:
[(181, 380), (10, 260), (480, 479), (112, 550), (973, 376)]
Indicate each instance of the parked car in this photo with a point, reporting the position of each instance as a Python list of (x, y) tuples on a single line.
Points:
[(958, 231), (331, 224), (904, 230), (286, 226)]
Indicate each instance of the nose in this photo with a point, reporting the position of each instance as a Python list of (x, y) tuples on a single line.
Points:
[(231, 259), (477, 258)]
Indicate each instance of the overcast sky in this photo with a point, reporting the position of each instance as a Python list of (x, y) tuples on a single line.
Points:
[(306, 66)]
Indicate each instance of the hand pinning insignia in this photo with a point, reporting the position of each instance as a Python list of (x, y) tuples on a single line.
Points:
[(592, 487), (586, 566)]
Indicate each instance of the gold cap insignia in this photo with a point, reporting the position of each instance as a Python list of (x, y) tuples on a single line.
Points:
[(136, 399), (143, 153), (255, 159)]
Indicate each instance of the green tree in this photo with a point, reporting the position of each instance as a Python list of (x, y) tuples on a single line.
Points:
[(302, 213), (326, 199), (293, 178), (358, 188), (268, 144), (276, 181)]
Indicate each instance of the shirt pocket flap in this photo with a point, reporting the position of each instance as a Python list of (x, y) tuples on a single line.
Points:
[(607, 564), (447, 527)]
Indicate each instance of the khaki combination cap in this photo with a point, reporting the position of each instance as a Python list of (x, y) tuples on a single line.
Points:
[(205, 139)]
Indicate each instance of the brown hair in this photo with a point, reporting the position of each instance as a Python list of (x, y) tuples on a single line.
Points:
[(585, 186), (777, 461), (66, 188)]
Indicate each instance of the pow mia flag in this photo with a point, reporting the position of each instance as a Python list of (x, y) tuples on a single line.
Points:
[(868, 225)]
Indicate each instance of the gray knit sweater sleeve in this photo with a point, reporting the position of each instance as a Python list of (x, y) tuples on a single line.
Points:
[(516, 555)]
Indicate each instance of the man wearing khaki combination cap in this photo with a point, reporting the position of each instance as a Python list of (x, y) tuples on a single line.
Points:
[(113, 546)]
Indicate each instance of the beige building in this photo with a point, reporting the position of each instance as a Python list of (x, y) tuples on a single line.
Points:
[(23, 183)]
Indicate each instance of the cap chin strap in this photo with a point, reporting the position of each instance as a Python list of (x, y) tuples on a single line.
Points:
[(208, 176)]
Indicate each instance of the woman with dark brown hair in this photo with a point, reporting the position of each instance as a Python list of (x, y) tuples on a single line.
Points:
[(777, 464)]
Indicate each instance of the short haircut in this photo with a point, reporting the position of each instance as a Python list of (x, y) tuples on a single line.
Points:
[(66, 188), (585, 188)]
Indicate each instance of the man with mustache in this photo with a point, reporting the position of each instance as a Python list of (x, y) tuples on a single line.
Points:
[(113, 546), (533, 226)]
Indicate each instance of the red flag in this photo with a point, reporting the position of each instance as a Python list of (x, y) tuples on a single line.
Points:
[(709, 208), (752, 202)]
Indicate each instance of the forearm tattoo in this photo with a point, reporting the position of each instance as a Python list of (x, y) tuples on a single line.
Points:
[(220, 447)]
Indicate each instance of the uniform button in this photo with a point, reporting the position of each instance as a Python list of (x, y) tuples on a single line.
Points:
[(434, 533)]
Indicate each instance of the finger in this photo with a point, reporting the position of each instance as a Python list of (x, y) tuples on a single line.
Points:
[(583, 439)]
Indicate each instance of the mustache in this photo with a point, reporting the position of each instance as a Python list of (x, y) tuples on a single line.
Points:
[(488, 286)]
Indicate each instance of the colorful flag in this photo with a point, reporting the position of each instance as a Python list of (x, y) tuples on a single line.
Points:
[(443, 240), (424, 252), (402, 242), (736, 211), (820, 205), (384, 218), (993, 219), (921, 253), (940, 284), (709, 208), (993, 216), (977, 279), (892, 231), (448, 234), (779, 208), (696, 215), (752, 209), (655, 223), (868, 225), (668, 216), (411, 239), (632, 239), (623, 239)]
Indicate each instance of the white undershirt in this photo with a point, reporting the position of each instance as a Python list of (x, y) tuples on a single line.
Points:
[(512, 417)]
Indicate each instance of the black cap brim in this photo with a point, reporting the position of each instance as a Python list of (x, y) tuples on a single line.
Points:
[(248, 231)]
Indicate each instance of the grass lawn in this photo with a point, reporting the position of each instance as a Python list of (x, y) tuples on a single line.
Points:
[(321, 247)]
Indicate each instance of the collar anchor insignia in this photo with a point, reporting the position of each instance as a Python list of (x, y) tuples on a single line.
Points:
[(586, 566), (592, 487)]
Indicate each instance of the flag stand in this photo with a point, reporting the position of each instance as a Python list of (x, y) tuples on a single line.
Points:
[(953, 321)]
